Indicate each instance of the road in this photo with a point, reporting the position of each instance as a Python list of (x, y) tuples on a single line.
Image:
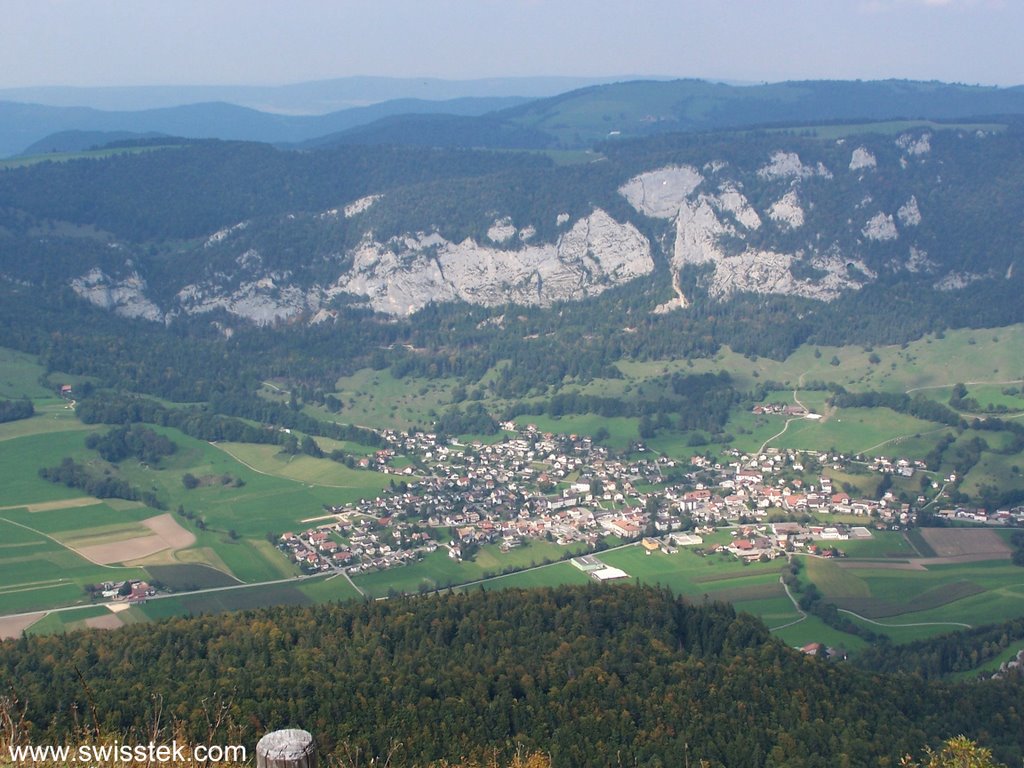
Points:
[(898, 626), (291, 580), (796, 605)]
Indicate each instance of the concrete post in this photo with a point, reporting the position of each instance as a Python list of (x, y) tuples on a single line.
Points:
[(288, 748)]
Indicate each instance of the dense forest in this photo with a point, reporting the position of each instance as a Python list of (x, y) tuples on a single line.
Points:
[(593, 675)]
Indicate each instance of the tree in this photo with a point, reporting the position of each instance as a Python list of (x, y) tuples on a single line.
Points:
[(958, 752)]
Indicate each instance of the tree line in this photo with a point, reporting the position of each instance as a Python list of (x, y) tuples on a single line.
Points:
[(592, 675)]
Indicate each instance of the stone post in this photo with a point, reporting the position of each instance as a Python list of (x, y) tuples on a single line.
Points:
[(288, 748)]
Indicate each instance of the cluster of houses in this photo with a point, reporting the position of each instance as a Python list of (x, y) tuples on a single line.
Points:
[(567, 489), (756, 485), (134, 591), (766, 542)]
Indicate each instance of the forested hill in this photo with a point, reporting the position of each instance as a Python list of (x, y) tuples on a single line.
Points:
[(633, 109), (848, 215), (593, 675)]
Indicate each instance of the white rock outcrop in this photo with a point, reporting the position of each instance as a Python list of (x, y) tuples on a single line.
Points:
[(955, 281), (862, 159), (787, 210), (880, 227), (405, 274), (732, 200), (698, 231), (919, 261), (261, 301), (660, 193), (501, 231), (224, 234), (125, 296), (783, 165), (909, 214), (362, 204), (915, 145)]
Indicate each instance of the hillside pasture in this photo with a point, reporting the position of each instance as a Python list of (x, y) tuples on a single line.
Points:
[(870, 431), (20, 374), (923, 596), (270, 460), (23, 456), (377, 399)]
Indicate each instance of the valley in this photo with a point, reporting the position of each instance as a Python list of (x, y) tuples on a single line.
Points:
[(607, 424), (238, 530)]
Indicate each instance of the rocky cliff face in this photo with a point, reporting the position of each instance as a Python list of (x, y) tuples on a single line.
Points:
[(404, 274), (770, 223), (125, 296), (704, 221)]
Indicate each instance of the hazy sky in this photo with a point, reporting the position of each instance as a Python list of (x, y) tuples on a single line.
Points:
[(148, 42)]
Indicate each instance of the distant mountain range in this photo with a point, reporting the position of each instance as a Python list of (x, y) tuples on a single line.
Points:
[(308, 98), (25, 128), (574, 119)]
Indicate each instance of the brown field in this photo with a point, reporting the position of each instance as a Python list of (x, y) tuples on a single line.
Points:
[(167, 534), (12, 626), (46, 506), (109, 621), (902, 565), (964, 543)]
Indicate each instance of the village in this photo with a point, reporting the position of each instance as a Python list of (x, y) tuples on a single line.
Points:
[(569, 490)]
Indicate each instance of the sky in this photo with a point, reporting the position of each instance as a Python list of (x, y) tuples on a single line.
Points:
[(270, 42)]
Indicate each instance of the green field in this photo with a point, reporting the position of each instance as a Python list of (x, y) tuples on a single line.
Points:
[(184, 576), (66, 621), (62, 157), (546, 576), (871, 431), (814, 630), (21, 457), (329, 589), (20, 375), (269, 460), (882, 544), (245, 598), (692, 575), (438, 571), (941, 598), (961, 356), (377, 399), (37, 572)]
